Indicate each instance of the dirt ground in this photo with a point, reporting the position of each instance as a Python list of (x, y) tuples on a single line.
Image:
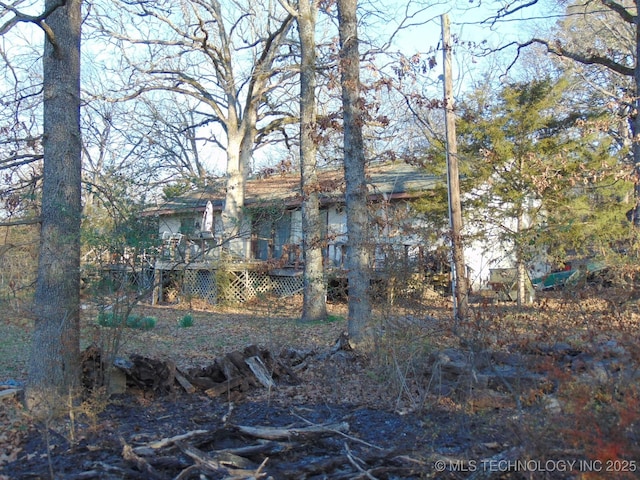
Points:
[(549, 391)]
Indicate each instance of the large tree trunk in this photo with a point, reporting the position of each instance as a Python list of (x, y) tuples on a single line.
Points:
[(232, 214), (314, 305), (54, 367), (358, 275)]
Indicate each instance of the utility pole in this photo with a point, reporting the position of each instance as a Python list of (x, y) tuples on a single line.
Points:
[(459, 286)]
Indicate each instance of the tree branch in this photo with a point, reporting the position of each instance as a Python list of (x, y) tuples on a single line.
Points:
[(38, 20), (24, 221), (620, 9), (557, 49)]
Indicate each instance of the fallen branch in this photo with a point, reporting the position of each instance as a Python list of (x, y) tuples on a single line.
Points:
[(267, 447), (281, 433), (104, 470), (217, 461), (353, 462), (186, 473), (225, 387), (129, 455), (184, 383), (170, 441), (345, 435)]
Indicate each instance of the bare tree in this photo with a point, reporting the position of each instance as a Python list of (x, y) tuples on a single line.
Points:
[(358, 275), (225, 57)]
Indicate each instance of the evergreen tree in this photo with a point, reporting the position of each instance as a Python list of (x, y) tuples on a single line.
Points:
[(539, 176)]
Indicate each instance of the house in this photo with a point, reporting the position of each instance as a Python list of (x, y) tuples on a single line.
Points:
[(270, 258)]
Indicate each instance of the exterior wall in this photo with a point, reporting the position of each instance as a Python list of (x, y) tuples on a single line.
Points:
[(336, 235), (481, 256), (490, 252), (296, 227), (169, 224), (395, 232)]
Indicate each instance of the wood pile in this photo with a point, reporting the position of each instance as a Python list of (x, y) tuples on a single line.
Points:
[(229, 377)]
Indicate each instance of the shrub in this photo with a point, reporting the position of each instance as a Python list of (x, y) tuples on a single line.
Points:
[(141, 323), (186, 321), (111, 320)]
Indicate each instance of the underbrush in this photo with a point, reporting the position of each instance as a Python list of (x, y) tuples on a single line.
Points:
[(556, 380), (562, 376)]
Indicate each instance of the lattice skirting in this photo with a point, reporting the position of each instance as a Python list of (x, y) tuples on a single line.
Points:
[(218, 286), (124, 278)]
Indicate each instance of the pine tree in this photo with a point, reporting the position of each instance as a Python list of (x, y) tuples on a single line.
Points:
[(539, 176)]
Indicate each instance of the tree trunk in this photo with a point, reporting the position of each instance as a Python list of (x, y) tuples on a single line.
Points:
[(358, 275), (54, 367), (521, 267), (635, 139), (232, 215), (314, 306)]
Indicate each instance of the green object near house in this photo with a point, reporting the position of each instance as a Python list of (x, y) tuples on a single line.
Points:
[(553, 280), (569, 277)]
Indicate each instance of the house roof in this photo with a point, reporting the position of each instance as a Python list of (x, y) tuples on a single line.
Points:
[(388, 180)]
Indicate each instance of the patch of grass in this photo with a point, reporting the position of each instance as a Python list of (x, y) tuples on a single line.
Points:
[(15, 339), (328, 319)]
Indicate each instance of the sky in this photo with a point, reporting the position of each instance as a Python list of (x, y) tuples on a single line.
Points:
[(471, 24)]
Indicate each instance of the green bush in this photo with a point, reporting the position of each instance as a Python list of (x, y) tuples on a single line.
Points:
[(141, 323), (137, 322), (186, 321)]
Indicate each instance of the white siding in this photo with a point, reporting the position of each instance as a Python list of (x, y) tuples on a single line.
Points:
[(169, 224), (336, 233), (296, 227)]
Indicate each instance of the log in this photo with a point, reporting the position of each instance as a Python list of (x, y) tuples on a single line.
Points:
[(202, 382), (291, 372), (260, 371), (152, 374), (225, 387), (184, 383), (228, 368), (281, 433), (238, 359)]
